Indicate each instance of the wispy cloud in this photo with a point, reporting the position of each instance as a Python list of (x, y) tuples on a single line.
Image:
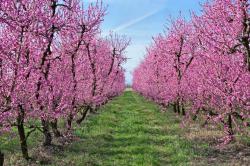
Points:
[(136, 20)]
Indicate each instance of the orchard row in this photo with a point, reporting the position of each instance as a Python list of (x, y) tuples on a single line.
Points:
[(54, 64), (202, 67)]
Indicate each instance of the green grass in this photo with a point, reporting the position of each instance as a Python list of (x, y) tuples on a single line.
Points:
[(131, 131), (128, 131)]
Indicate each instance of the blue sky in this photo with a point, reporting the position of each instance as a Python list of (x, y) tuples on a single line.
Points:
[(140, 20)]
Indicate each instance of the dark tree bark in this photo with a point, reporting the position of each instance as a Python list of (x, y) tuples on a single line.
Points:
[(44, 66), (69, 122), (21, 133), (246, 34), (1, 158), (230, 125), (84, 114), (54, 126), (1, 68), (46, 133), (73, 71), (177, 107), (93, 69), (183, 112)]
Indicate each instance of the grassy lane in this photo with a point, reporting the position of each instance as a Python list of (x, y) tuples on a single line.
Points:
[(130, 131)]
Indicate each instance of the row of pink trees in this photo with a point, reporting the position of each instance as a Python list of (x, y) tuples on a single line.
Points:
[(202, 66), (54, 64)]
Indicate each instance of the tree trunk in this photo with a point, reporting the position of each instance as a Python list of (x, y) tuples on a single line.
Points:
[(174, 107), (1, 158), (84, 114), (246, 34), (69, 122), (178, 109), (55, 130), (230, 126), (21, 133), (46, 133), (183, 112)]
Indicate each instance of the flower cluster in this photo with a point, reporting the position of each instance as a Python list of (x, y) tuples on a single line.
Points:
[(202, 66), (55, 64)]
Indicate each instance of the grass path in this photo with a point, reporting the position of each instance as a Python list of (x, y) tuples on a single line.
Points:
[(130, 131)]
